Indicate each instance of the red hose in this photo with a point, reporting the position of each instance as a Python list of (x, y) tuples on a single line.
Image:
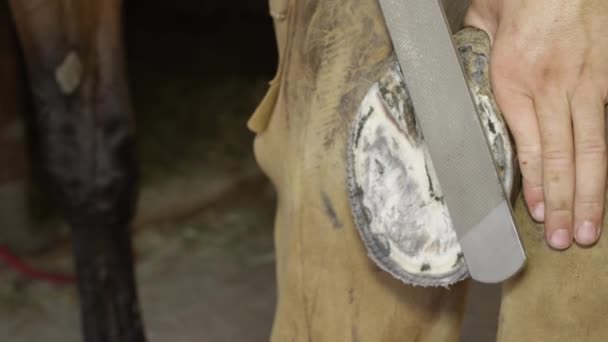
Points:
[(18, 265)]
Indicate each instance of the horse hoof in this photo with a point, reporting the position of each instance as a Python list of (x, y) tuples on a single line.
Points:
[(394, 193)]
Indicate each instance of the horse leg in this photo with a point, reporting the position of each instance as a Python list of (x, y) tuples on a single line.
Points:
[(74, 56), (560, 296), (328, 288)]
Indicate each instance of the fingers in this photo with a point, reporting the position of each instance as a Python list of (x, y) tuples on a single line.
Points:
[(534, 196), (542, 73), (587, 109), (519, 112), (554, 119)]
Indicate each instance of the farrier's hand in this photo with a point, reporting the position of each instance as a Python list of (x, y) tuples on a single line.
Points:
[(549, 72)]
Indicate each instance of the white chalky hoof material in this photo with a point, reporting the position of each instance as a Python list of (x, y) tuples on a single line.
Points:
[(394, 193)]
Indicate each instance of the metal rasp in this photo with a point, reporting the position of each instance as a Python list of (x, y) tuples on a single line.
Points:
[(459, 151)]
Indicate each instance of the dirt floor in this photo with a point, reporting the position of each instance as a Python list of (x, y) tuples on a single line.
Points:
[(203, 238), (206, 278)]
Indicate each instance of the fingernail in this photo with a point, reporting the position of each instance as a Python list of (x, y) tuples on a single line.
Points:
[(538, 213), (586, 233), (560, 239)]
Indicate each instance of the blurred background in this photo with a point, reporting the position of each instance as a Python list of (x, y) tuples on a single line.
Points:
[(203, 233)]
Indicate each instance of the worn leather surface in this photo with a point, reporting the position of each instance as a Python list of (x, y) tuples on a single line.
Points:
[(331, 51)]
